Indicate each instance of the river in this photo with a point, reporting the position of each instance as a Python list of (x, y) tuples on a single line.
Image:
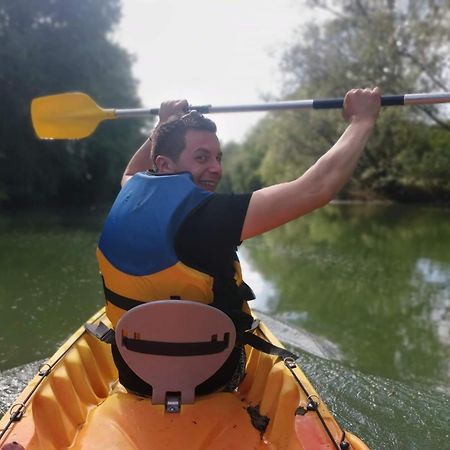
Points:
[(362, 292)]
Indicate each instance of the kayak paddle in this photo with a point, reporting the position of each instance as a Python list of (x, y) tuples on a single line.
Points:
[(75, 115)]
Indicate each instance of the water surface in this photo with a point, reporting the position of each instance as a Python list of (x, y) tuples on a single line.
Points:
[(367, 284), (375, 280)]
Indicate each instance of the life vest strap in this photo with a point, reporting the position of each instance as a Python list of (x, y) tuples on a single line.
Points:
[(120, 301), (245, 292), (241, 320)]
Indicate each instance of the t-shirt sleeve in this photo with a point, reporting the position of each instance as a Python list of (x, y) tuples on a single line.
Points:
[(210, 235)]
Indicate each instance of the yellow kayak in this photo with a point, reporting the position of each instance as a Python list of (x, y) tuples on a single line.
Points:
[(76, 402)]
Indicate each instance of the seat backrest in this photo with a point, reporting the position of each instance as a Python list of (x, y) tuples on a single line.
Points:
[(175, 345)]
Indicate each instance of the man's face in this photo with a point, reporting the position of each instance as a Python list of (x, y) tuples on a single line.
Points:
[(202, 158)]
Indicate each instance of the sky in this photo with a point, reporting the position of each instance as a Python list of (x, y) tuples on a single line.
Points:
[(217, 52)]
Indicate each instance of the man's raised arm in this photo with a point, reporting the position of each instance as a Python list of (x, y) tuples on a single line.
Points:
[(278, 204), (141, 160)]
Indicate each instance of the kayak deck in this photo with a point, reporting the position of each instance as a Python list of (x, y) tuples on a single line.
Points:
[(78, 404), (212, 423)]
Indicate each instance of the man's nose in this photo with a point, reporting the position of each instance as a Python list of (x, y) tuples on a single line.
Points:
[(216, 166)]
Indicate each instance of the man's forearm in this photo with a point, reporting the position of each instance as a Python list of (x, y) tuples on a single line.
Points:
[(140, 162), (275, 205), (334, 169)]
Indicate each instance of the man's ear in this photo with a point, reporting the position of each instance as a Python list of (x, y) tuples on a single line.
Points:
[(164, 164)]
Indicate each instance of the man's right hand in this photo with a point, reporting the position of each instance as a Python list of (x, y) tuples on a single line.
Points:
[(362, 105)]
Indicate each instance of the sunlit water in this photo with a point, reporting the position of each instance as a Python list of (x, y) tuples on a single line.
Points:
[(362, 293)]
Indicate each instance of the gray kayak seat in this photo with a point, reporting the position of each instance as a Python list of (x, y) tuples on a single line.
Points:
[(175, 345)]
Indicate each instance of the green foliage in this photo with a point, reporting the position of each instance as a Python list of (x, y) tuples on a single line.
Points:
[(51, 46), (425, 164), (241, 162), (402, 47)]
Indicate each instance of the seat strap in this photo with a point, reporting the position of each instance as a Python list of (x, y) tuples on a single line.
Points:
[(243, 322), (106, 334), (264, 346), (101, 331)]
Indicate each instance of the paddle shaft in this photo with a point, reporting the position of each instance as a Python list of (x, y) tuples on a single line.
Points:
[(333, 103)]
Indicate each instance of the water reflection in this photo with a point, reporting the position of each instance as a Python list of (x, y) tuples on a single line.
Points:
[(372, 279), (433, 272), (265, 291), (432, 279)]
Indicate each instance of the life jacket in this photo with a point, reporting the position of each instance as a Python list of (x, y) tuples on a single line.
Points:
[(136, 251), (138, 262)]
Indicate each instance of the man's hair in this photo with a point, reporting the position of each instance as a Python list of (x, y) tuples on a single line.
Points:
[(168, 139)]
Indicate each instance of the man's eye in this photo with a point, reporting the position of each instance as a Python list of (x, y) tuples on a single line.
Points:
[(201, 158)]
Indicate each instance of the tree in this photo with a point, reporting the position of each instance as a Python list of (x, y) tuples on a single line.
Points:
[(401, 47), (49, 46)]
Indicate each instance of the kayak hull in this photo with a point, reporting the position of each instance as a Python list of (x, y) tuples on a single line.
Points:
[(76, 402)]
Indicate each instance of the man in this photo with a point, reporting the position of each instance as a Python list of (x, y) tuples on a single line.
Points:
[(169, 235)]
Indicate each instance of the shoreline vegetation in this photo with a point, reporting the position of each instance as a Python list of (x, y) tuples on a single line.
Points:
[(407, 159)]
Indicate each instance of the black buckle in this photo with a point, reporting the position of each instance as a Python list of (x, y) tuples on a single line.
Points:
[(101, 331)]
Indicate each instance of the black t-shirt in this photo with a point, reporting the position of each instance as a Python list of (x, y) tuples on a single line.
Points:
[(208, 238)]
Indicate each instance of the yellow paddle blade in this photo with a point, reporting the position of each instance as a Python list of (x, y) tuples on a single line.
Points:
[(72, 115)]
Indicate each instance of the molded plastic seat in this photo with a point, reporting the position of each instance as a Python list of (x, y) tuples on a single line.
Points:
[(175, 345)]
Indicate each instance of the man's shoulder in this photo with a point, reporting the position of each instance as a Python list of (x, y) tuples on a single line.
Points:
[(220, 206)]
